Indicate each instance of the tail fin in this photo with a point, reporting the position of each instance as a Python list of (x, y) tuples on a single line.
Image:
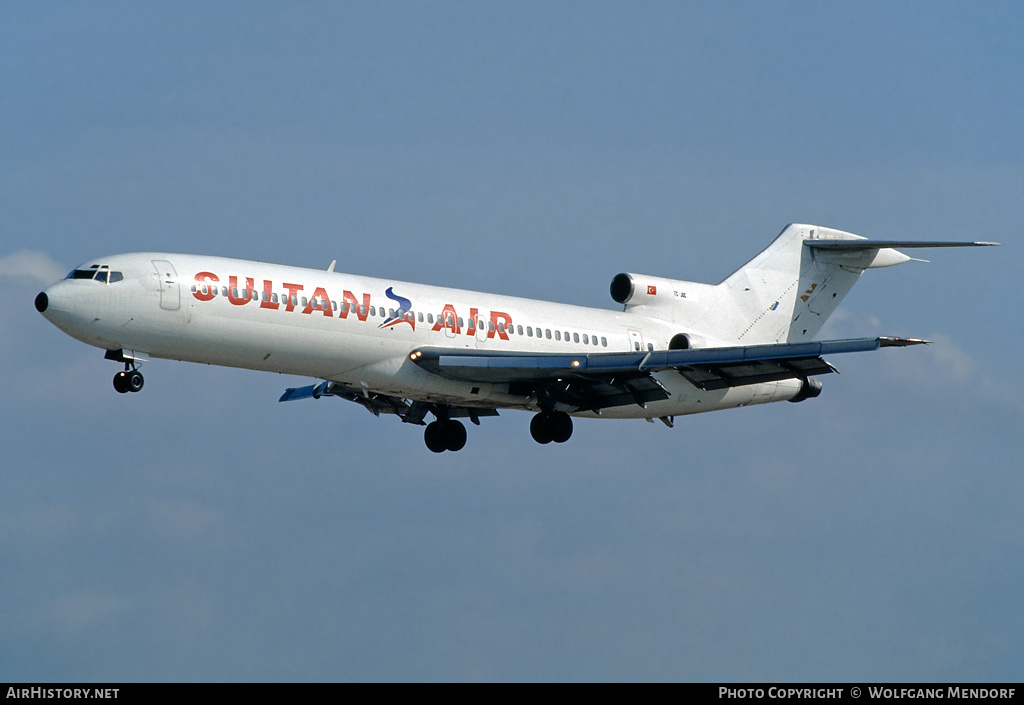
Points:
[(786, 293)]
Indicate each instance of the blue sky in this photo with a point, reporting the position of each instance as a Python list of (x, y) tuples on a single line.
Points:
[(201, 531)]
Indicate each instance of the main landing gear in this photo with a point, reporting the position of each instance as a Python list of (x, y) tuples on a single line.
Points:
[(445, 434), (547, 427), (130, 380)]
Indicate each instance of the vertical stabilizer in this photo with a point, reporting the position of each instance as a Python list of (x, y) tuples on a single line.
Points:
[(784, 295), (787, 292)]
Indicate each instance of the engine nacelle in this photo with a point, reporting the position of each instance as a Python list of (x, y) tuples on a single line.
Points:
[(643, 289), (811, 388)]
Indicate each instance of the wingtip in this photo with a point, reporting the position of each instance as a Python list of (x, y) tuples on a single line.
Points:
[(894, 342)]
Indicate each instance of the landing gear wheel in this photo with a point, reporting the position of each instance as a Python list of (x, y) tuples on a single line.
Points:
[(434, 437), (560, 426), (454, 435), (445, 435), (556, 427), (540, 429), (135, 381), (121, 382)]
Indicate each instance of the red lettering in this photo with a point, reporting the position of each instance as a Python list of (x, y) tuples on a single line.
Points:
[(448, 319), (203, 278), (293, 290), (350, 302), (496, 317), (233, 286), (319, 294), (268, 295)]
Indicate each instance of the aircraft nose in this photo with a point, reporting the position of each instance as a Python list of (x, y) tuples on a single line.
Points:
[(55, 302)]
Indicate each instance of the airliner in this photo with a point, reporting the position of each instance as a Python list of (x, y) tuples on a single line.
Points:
[(674, 348)]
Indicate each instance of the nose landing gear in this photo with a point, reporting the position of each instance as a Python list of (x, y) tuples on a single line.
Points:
[(130, 380)]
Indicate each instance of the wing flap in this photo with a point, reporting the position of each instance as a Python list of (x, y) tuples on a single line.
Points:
[(712, 377)]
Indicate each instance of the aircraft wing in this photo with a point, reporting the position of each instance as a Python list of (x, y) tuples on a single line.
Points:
[(597, 380), (377, 404)]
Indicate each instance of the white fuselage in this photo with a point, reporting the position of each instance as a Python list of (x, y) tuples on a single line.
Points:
[(346, 328)]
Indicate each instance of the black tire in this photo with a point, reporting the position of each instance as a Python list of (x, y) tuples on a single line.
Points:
[(135, 381), (540, 429), (434, 437), (121, 382), (560, 426), (454, 435)]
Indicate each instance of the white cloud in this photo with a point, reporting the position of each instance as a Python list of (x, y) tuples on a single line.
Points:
[(33, 265)]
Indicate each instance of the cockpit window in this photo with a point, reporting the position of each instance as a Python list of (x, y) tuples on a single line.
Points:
[(98, 272)]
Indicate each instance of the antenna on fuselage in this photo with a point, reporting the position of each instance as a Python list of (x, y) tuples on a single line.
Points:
[(331, 268)]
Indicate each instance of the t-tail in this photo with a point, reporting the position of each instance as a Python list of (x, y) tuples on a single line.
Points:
[(784, 295)]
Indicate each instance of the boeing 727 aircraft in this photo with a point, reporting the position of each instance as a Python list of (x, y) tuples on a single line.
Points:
[(675, 348)]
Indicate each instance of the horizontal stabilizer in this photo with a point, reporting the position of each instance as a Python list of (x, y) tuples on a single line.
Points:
[(882, 244)]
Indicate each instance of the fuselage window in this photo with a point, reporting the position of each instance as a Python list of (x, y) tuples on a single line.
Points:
[(585, 340), (460, 322), (373, 310), (604, 342), (547, 333), (529, 332), (419, 315), (519, 330), (430, 318), (558, 335), (501, 327), (576, 338)]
